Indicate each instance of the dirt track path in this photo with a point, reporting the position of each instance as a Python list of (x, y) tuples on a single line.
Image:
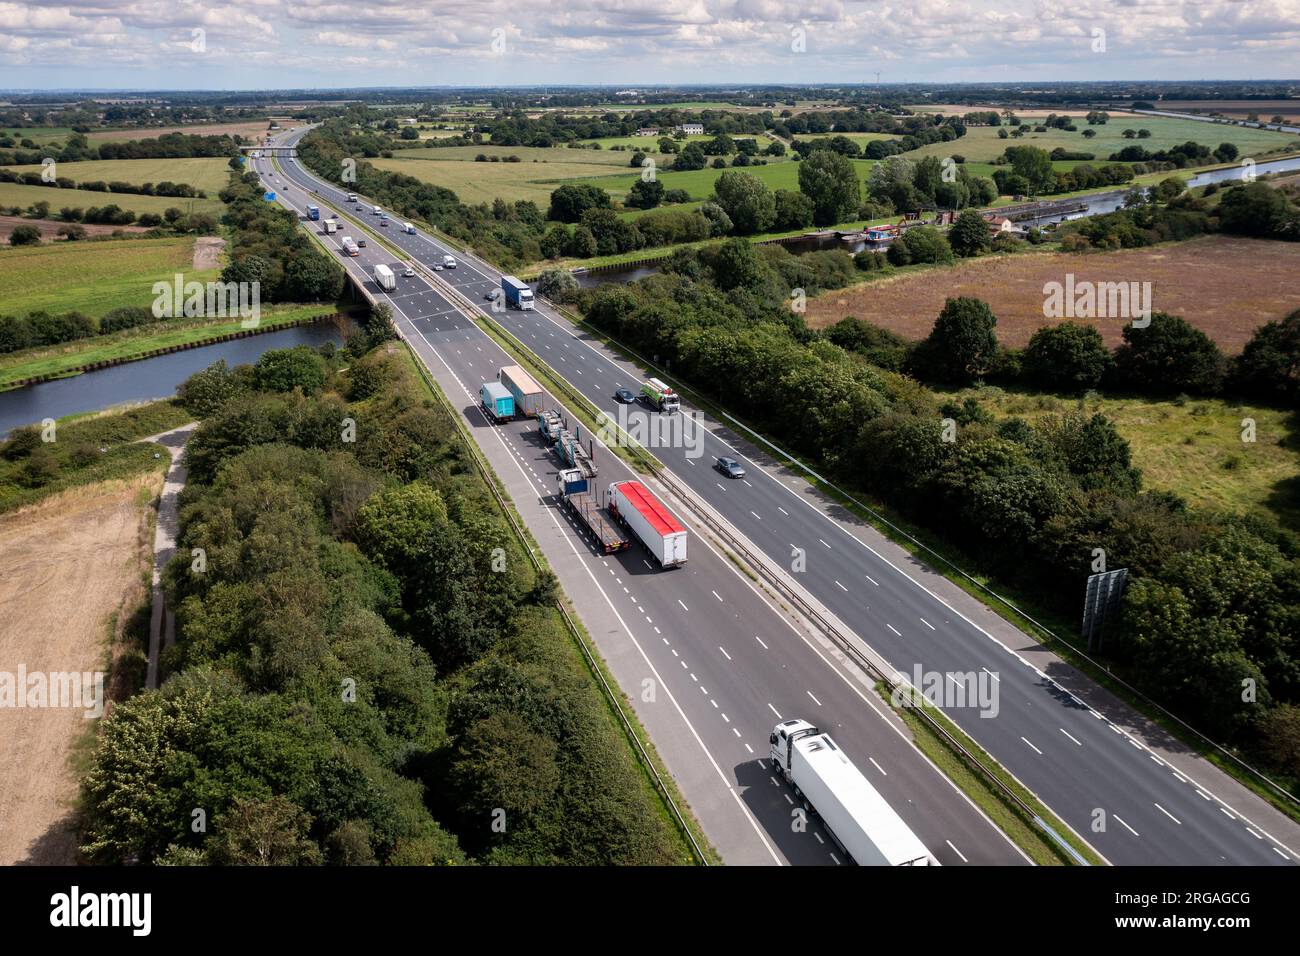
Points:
[(66, 565)]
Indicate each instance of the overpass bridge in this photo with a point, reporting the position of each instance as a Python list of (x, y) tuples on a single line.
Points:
[(265, 150)]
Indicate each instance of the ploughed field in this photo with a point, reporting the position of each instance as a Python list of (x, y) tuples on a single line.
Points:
[(1224, 286)]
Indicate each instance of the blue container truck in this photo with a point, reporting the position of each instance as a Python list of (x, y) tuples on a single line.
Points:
[(497, 401), (517, 293), (313, 212)]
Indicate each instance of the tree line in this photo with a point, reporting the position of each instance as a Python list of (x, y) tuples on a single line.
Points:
[(368, 670)]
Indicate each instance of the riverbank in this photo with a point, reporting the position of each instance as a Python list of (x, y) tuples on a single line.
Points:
[(31, 366)]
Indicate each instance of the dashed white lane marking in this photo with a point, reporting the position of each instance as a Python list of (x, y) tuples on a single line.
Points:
[(1168, 814), (957, 851), (1032, 747), (716, 595), (775, 711), (1120, 820), (894, 629), (878, 767), (872, 580), (1067, 733), (814, 699), (724, 652), (927, 623), (842, 587), (760, 640), (684, 607)]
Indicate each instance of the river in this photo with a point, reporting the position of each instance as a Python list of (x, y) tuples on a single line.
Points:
[(1098, 204), (148, 379)]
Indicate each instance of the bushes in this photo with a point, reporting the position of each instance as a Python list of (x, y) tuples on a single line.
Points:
[(1268, 368), (25, 236), (1069, 357), (962, 345), (1168, 357), (920, 244)]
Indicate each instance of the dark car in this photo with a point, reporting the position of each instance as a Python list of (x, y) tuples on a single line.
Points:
[(625, 396), (730, 467), (492, 294), (361, 243)]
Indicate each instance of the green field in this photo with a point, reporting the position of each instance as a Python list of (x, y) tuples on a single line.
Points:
[(208, 174), (539, 173), (981, 143), (778, 174), (862, 139), (92, 277), (40, 135), (1193, 448), (14, 194)]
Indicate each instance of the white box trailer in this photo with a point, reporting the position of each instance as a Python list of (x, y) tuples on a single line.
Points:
[(384, 278), (857, 816), (528, 394), (635, 505)]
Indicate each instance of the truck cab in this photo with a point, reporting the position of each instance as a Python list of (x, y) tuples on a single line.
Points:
[(782, 740)]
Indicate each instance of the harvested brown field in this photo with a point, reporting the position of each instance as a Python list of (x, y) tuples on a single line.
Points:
[(1226, 287), (68, 564), (1238, 109)]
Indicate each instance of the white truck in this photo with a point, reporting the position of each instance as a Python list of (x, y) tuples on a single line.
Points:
[(857, 817), (449, 262), (636, 507), (408, 228), (350, 247), (331, 226), (352, 197), (384, 278)]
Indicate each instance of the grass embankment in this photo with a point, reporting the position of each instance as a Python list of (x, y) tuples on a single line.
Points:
[(1193, 447), (74, 457), (139, 342), (582, 655), (93, 277)]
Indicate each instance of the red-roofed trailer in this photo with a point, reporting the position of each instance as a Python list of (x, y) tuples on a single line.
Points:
[(635, 506)]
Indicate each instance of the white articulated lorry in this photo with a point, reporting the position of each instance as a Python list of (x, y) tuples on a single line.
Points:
[(635, 506), (384, 278), (866, 827)]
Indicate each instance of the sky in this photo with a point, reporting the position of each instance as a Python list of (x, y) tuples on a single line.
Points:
[(279, 44)]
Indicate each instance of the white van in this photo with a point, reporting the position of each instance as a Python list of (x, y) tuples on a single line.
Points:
[(448, 262), (408, 228)]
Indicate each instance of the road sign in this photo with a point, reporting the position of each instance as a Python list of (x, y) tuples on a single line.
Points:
[(1101, 602)]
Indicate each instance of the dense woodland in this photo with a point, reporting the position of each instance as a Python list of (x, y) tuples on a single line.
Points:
[(368, 669)]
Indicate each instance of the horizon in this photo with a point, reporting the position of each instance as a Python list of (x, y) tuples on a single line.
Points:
[(113, 45)]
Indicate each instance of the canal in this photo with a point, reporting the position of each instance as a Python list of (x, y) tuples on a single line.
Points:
[(148, 379)]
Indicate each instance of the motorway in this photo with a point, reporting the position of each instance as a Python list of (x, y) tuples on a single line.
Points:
[(722, 663), (1135, 802)]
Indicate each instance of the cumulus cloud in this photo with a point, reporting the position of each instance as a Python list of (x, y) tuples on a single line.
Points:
[(383, 42)]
